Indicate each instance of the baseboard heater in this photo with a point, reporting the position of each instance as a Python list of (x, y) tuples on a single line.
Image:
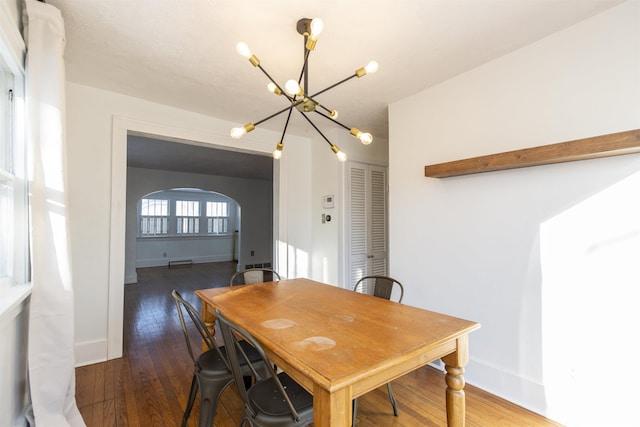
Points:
[(181, 263)]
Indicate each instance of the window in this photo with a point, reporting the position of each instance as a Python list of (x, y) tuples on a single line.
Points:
[(187, 216), (217, 217), (186, 213), (154, 217), (14, 256)]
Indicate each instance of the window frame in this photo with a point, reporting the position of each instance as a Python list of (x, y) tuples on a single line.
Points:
[(157, 220), (188, 222), (15, 283), (190, 195), (212, 219)]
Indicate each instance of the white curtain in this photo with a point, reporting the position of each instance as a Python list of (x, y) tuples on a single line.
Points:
[(51, 334)]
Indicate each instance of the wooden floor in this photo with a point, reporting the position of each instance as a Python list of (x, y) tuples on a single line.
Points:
[(149, 385)]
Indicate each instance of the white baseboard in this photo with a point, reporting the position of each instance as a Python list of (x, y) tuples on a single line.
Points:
[(163, 262), (516, 389), (90, 352), (131, 278)]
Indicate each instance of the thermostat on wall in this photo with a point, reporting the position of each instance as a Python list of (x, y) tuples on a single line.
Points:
[(327, 202)]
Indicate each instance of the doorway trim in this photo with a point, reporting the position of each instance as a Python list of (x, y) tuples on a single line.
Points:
[(121, 128)]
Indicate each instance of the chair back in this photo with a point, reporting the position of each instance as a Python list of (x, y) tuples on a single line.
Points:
[(198, 323), (254, 275), (233, 335), (379, 286)]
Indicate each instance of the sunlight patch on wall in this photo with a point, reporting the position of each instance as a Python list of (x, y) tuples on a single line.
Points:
[(590, 257), (294, 262)]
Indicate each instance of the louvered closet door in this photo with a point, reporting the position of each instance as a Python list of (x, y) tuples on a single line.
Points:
[(367, 221)]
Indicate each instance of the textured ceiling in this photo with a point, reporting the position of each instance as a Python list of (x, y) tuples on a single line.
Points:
[(182, 52), (152, 153)]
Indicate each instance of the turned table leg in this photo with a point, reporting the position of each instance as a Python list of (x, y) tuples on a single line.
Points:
[(454, 365)]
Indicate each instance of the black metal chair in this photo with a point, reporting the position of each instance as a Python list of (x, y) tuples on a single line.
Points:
[(274, 400), (381, 287), (254, 275), (212, 372)]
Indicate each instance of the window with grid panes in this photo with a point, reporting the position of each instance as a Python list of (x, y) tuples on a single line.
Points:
[(13, 184), (154, 217), (187, 216), (217, 217)]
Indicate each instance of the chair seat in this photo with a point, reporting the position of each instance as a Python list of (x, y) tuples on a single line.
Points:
[(265, 399), (212, 366)]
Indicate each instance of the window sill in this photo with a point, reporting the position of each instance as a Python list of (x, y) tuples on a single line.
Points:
[(11, 299)]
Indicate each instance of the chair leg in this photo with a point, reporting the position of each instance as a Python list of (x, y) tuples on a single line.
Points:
[(210, 391), (354, 412), (192, 398), (393, 400)]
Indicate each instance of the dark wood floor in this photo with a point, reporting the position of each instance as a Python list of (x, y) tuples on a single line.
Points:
[(149, 385)]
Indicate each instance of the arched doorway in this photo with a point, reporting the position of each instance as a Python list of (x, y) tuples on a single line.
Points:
[(185, 226)]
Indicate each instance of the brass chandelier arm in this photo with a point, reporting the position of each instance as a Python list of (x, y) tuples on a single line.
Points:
[(316, 128), (286, 124), (294, 104), (334, 120), (282, 91), (333, 85), (303, 71)]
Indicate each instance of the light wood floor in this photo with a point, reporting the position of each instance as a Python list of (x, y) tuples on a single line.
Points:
[(149, 385)]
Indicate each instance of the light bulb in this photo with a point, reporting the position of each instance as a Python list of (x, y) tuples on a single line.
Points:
[(243, 50), (371, 67), (333, 114), (293, 88), (236, 133), (271, 87), (366, 138), (316, 27), (277, 153), (341, 156)]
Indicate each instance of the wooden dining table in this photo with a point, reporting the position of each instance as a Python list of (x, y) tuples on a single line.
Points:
[(339, 344)]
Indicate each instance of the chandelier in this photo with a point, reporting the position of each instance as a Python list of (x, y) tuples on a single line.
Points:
[(297, 92)]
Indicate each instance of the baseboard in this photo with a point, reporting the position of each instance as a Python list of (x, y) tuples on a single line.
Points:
[(90, 352), (509, 386), (163, 262), (131, 278)]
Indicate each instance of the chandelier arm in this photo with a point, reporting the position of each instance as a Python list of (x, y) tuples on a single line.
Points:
[(333, 120), (333, 85), (304, 71), (274, 82), (316, 128), (294, 104), (286, 124)]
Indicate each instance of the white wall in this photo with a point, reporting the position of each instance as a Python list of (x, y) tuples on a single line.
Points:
[(545, 258), (97, 124)]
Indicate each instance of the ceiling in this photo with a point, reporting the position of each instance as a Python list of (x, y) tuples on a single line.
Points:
[(149, 153), (182, 52)]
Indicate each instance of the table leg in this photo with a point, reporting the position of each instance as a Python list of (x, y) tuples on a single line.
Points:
[(331, 409), (454, 365), (209, 319)]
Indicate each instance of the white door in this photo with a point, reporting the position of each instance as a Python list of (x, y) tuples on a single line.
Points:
[(366, 221)]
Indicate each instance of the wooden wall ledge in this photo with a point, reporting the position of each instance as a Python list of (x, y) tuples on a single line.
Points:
[(613, 144)]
